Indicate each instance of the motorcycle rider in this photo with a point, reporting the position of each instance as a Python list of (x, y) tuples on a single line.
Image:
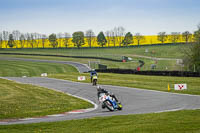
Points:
[(92, 74), (101, 90)]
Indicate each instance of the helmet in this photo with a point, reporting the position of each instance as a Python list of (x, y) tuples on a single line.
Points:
[(98, 88)]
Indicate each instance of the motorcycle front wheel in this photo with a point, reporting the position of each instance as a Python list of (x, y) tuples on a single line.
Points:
[(119, 106)]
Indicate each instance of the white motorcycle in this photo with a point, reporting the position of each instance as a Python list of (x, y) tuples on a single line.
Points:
[(109, 102)]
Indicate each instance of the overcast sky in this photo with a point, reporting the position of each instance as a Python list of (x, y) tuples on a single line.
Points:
[(147, 17)]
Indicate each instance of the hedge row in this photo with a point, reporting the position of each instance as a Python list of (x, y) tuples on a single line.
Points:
[(89, 57), (155, 73)]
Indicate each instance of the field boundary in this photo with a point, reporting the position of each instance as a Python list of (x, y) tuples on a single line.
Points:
[(154, 73), (87, 57)]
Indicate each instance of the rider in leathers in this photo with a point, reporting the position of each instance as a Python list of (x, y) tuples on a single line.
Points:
[(92, 73), (101, 90)]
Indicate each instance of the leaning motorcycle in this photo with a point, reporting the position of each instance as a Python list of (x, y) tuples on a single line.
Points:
[(94, 80), (109, 102)]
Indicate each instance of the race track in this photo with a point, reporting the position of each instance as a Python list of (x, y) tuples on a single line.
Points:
[(79, 66), (134, 101)]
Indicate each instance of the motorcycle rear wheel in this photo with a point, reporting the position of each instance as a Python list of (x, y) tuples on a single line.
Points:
[(94, 82), (109, 105)]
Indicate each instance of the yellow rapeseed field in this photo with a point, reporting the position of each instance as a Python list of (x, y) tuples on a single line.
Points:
[(148, 40)]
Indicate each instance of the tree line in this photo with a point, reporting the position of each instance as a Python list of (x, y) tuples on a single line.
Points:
[(192, 53), (117, 36)]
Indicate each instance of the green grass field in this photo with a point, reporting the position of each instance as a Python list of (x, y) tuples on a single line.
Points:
[(22, 68), (15, 98), (165, 51), (169, 122), (61, 71), (159, 83), (161, 65), (23, 100)]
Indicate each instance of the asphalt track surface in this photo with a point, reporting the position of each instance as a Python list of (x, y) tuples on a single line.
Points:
[(134, 101), (79, 66)]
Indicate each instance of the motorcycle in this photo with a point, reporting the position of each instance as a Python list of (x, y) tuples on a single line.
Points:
[(109, 102), (94, 80)]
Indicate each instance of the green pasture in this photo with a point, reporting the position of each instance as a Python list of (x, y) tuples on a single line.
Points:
[(164, 51), (22, 68), (23, 100), (160, 65), (15, 98), (169, 122)]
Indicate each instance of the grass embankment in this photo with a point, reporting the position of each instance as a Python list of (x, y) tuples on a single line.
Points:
[(159, 83), (20, 100), (161, 65), (62, 71), (22, 68), (170, 122), (165, 51), (23, 100)]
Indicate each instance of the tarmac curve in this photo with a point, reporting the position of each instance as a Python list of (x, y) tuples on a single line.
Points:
[(134, 101)]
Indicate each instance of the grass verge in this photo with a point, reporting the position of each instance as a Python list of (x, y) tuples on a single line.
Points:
[(26, 68), (168, 122), (159, 83), (23, 100)]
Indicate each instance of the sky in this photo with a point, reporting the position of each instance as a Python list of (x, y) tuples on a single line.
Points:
[(147, 17)]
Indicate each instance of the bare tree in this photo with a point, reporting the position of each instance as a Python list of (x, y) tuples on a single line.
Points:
[(186, 36), (5, 38), (175, 36), (1, 40), (120, 34), (116, 35), (16, 36), (22, 40), (44, 39), (59, 37), (36, 39), (90, 37), (30, 39), (67, 37), (113, 38), (109, 37), (139, 38), (26, 37), (162, 37)]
